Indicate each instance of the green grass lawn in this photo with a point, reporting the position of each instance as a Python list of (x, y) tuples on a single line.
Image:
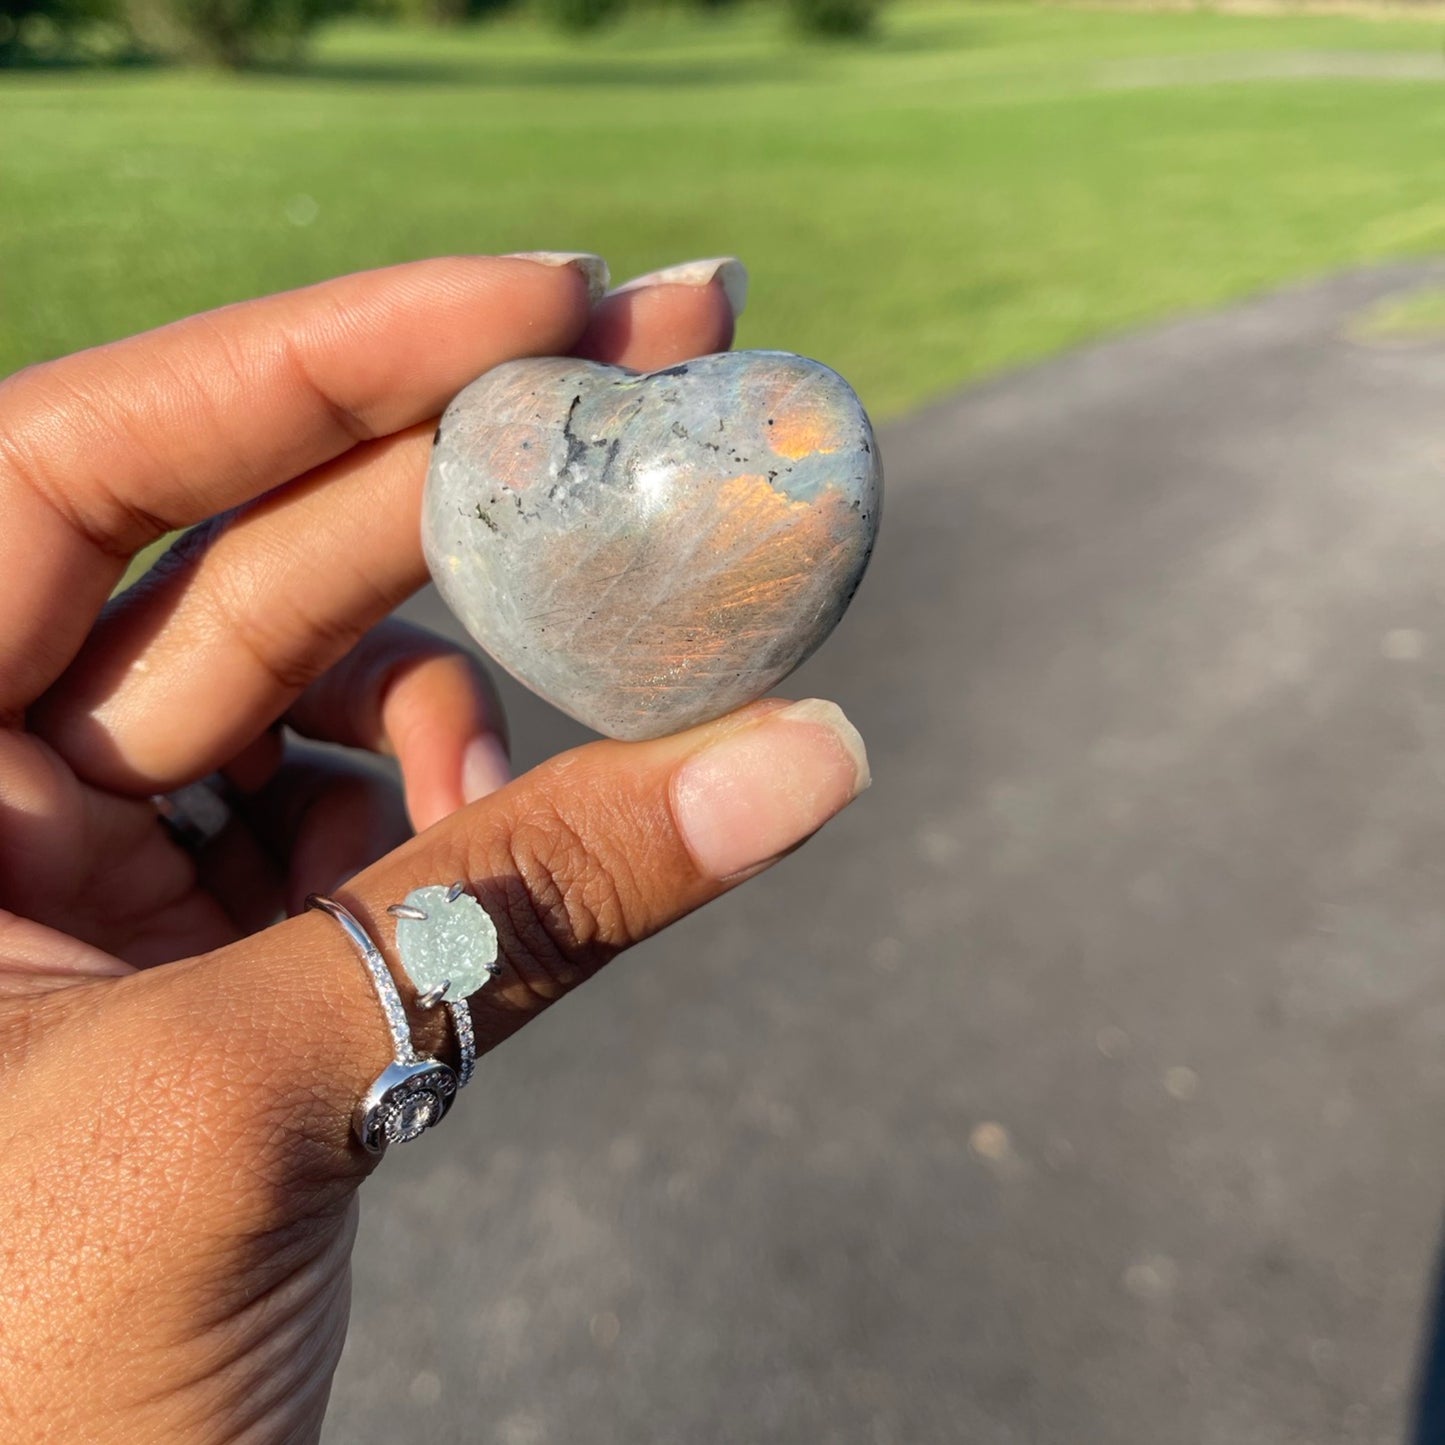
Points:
[(982, 186)]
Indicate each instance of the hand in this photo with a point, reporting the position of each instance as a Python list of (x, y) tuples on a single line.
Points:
[(177, 1077)]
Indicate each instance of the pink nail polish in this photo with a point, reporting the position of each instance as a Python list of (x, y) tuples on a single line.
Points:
[(756, 792), (485, 767), (592, 267), (727, 271)]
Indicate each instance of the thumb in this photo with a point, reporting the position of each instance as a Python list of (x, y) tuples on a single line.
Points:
[(584, 856), (205, 1139)]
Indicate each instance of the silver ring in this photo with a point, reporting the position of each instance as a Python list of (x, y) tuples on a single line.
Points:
[(461, 1012), (447, 944), (413, 1092)]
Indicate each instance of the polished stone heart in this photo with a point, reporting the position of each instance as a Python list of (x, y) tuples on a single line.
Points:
[(648, 552)]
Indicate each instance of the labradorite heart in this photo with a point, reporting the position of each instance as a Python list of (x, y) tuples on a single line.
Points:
[(648, 552)]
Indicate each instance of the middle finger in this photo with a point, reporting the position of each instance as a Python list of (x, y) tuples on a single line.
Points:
[(189, 665)]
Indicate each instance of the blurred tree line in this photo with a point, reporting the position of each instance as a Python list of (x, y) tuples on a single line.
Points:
[(244, 32), (821, 17)]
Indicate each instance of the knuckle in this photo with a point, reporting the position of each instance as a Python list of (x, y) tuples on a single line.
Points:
[(350, 423), (563, 904), (291, 648), (44, 402)]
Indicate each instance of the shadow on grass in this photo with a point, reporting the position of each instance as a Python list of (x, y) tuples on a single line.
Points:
[(962, 36), (504, 75), (541, 75), (20, 62), (574, 70)]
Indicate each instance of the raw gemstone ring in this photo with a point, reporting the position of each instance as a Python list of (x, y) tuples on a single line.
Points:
[(447, 945)]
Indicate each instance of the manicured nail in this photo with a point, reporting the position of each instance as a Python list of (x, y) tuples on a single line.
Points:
[(757, 791), (593, 268), (727, 271), (485, 767)]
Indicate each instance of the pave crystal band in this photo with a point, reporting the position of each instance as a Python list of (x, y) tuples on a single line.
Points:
[(461, 1012), (413, 1092)]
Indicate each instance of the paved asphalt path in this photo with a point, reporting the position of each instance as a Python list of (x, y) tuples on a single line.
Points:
[(1085, 1083)]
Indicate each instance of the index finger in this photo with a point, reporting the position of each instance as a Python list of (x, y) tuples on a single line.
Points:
[(102, 452)]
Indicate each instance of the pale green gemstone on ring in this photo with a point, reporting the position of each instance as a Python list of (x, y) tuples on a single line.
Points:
[(456, 941)]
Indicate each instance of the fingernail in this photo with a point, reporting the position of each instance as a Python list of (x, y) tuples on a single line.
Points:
[(758, 791), (485, 767), (727, 271), (593, 268)]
